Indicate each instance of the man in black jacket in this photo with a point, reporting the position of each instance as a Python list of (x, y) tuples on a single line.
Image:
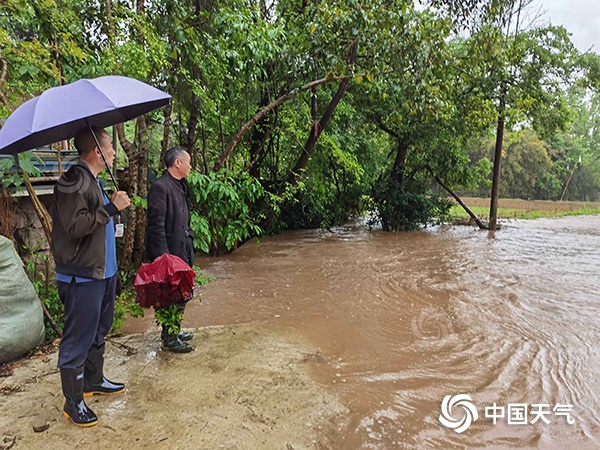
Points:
[(169, 229), (84, 250)]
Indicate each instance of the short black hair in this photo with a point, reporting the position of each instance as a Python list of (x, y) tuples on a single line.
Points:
[(172, 154), (84, 141)]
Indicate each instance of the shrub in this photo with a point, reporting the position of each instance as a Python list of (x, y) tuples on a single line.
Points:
[(397, 208)]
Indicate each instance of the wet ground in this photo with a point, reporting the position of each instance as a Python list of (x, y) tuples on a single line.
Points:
[(241, 388)]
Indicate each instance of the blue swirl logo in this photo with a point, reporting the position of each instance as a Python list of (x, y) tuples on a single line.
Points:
[(470, 412)]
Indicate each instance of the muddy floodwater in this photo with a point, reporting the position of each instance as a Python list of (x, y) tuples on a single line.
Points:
[(404, 320)]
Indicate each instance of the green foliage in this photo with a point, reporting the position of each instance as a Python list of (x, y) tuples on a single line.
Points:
[(221, 216), (418, 93), (138, 201), (333, 191), (171, 317), (201, 277), (42, 43), (11, 178), (543, 64), (125, 307), (526, 161), (310, 209), (541, 170), (397, 208), (47, 292)]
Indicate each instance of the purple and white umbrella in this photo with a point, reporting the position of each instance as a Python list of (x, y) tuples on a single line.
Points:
[(60, 112)]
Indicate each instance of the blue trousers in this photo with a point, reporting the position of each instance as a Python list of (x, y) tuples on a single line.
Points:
[(89, 312)]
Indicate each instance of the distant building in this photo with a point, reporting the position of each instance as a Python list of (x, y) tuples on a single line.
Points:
[(49, 163)]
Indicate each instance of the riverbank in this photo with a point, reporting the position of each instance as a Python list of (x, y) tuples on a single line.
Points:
[(243, 387), (511, 209), (532, 205)]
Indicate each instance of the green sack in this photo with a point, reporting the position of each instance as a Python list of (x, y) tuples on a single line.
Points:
[(21, 315)]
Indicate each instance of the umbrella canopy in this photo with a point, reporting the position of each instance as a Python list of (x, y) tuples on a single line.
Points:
[(167, 280), (60, 112)]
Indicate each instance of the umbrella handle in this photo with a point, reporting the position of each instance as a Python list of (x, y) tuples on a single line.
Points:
[(112, 177)]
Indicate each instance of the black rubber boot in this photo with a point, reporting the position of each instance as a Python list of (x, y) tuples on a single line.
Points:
[(173, 343), (75, 408), (185, 335), (182, 335), (94, 382)]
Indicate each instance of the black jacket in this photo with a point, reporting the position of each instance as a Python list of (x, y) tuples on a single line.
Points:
[(169, 220), (78, 220)]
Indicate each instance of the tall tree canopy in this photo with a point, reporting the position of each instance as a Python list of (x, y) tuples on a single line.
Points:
[(309, 111)]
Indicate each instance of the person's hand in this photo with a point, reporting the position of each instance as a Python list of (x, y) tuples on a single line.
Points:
[(120, 199)]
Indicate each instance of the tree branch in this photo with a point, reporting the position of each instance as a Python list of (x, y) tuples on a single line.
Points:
[(275, 103), (479, 223)]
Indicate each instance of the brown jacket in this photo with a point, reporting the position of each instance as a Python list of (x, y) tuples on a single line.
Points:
[(79, 217)]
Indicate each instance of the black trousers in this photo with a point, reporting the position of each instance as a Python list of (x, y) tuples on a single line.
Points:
[(89, 313)]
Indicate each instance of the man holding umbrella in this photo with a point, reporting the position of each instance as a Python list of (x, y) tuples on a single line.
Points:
[(83, 233), (83, 246)]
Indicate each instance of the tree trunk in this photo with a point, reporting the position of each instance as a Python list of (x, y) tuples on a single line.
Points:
[(3, 74), (204, 144), (129, 236), (316, 131), (257, 156), (193, 120), (567, 184), (8, 217), (497, 159), (400, 161), (309, 146), (110, 29), (142, 191), (165, 143), (275, 103), (259, 136), (135, 232)]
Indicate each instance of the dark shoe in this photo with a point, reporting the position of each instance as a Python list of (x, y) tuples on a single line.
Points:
[(185, 335), (176, 345), (80, 414), (94, 382), (75, 408), (105, 387)]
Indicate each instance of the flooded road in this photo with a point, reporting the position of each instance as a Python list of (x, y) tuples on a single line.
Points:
[(403, 320)]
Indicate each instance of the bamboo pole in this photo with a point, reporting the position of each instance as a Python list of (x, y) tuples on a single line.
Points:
[(39, 207)]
